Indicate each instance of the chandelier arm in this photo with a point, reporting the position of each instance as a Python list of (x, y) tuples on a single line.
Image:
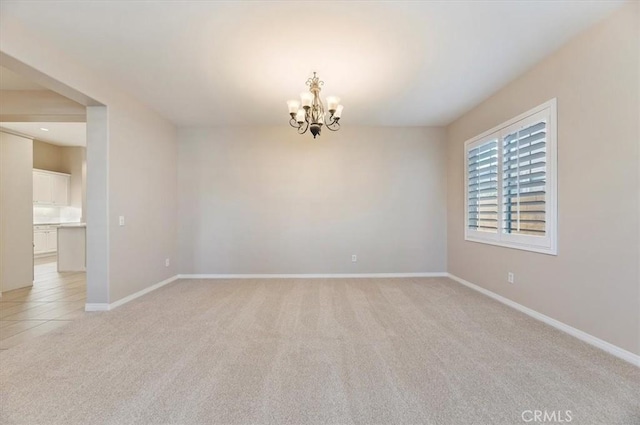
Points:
[(334, 126), (303, 128), (293, 123)]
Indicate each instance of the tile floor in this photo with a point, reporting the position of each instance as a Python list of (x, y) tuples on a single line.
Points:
[(53, 301)]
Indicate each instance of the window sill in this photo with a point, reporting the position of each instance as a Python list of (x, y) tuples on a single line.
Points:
[(522, 247)]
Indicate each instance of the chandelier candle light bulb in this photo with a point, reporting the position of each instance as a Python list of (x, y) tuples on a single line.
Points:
[(332, 103), (293, 105), (309, 114), (307, 99), (300, 116)]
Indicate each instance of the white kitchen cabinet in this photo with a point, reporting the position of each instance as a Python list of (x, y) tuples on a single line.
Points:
[(52, 240), (42, 188), (39, 242), (72, 248), (50, 189), (45, 239), (60, 193)]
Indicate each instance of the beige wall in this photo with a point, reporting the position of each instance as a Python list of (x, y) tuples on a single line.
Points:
[(38, 105), (74, 160), (16, 212), (267, 200), (143, 188), (593, 284), (49, 157)]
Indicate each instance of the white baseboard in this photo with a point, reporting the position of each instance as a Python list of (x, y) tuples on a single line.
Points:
[(621, 353), (96, 307), (309, 276), (107, 307)]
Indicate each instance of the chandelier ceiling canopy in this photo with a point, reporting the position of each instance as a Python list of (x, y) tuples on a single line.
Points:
[(309, 112)]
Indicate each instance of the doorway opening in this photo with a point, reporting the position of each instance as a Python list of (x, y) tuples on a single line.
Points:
[(51, 264)]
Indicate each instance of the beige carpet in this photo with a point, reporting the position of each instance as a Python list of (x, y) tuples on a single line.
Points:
[(367, 351)]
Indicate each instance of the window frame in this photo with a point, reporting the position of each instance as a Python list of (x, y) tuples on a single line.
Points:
[(547, 244)]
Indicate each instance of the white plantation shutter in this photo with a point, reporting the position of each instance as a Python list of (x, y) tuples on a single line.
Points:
[(482, 187), (524, 180), (510, 179)]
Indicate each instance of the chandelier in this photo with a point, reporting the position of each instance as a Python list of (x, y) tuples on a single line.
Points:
[(312, 116)]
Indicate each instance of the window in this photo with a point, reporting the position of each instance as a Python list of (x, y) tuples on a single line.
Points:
[(483, 187), (510, 196)]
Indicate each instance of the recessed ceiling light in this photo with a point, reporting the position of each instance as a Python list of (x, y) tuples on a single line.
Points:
[(44, 129)]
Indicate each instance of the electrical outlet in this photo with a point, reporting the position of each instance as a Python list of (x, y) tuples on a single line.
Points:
[(510, 277), (354, 258), (167, 262), (121, 220)]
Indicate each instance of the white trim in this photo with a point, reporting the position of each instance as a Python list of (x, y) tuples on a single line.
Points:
[(107, 307), (141, 292), (514, 245), (40, 170), (310, 276), (614, 350), (96, 307)]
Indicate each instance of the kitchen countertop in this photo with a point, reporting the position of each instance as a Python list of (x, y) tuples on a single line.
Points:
[(72, 225)]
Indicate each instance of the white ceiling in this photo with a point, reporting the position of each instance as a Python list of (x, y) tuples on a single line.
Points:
[(60, 133), (236, 63), (9, 80)]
